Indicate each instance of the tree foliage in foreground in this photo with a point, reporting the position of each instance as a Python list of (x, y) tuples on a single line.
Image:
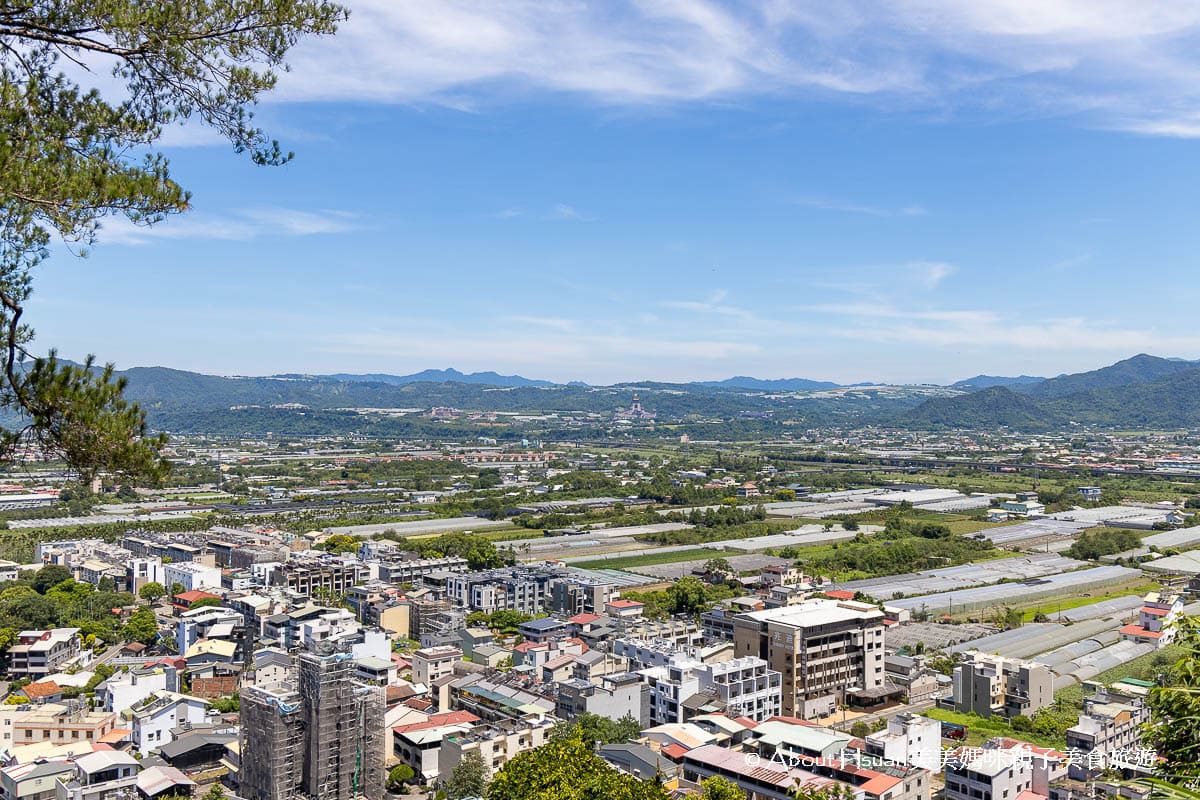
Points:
[(1175, 727), (567, 769), (70, 157)]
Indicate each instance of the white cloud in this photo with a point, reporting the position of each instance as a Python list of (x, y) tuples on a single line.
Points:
[(242, 225), (714, 304), (1122, 64), (991, 330), (931, 273), (856, 208)]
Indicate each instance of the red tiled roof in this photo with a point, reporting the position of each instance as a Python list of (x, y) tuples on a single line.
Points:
[(622, 603), (746, 722), (194, 595), (584, 619), (41, 689), (438, 720), (840, 594), (1133, 629), (1154, 612), (674, 751), (116, 735)]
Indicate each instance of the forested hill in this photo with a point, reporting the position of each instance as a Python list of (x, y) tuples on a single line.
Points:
[(1167, 402), (1138, 369), (991, 408), (1140, 392)]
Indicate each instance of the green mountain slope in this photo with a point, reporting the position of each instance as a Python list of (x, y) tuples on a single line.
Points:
[(1138, 369), (990, 408)]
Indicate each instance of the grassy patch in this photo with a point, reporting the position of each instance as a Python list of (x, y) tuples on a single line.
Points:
[(1138, 586), (980, 729), (649, 559)]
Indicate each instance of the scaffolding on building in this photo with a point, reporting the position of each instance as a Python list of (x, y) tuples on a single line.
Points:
[(272, 735), (320, 737), (344, 742)]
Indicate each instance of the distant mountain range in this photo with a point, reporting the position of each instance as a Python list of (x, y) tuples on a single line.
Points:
[(769, 385), (439, 376), (988, 381), (1139, 392)]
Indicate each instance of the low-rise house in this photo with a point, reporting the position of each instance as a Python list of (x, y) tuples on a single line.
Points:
[(419, 744), (908, 739), (154, 720), (431, 663), (60, 723), (34, 780), (158, 781), (100, 775), (37, 654), (1156, 620)]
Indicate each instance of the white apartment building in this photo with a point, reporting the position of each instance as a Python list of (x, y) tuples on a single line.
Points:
[(741, 686), (1156, 619), (37, 654), (909, 739), (431, 663), (191, 575), (140, 571)]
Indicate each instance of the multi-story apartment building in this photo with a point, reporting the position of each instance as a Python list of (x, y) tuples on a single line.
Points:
[(432, 663), (140, 571), (1001, 770), (495, 742), (823, 649), (310, 575), (37, 654), (684, 688), (988, 684), (192, 575), (321, 737), (1112, 720), (614, 696), (520, 588), (411, 571)]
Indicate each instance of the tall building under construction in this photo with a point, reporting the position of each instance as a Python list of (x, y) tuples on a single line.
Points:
[(319, 737)]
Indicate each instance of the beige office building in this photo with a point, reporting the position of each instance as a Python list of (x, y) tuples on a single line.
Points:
[(824, 649)]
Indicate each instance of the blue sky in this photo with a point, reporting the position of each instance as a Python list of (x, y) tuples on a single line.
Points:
[(682, 190)]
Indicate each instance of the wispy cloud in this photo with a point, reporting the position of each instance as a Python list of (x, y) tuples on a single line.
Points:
[(553, 323), (855, 208), (243, 225), (986, 329), (931, 273), (1119, 64), (564, 212), (559, 212), (714, 304)]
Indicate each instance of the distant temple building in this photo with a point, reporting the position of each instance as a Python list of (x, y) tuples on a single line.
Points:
[(635, 411)]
